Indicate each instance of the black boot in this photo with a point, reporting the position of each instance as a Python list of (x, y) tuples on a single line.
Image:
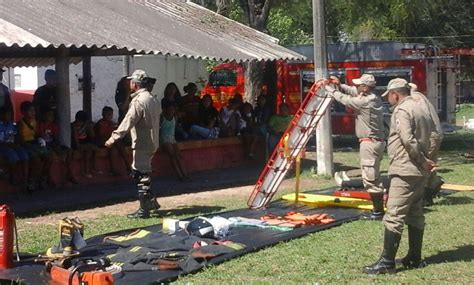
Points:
[(386, 262), (378, 211), (154, 205), (415, 243), (143, 211), (432, 190)]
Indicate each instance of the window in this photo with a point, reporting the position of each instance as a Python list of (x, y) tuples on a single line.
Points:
[(224, 77), (17, 81)]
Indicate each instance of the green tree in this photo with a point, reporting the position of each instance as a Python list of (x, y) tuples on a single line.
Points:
[(445, 23)]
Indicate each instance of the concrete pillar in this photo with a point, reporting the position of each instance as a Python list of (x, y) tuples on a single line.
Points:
[(324, 149), (87, 86), (64, 96)]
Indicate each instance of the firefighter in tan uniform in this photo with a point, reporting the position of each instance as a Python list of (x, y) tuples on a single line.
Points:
[(370, 131), (408, 149), (142, 121), (434, 181)]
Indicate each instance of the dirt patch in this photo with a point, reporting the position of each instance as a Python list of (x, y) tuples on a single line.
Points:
[(168, 203)]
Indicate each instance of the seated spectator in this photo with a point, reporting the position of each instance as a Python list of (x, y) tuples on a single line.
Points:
[(229, 119), (189, 106), (248, 129), (277, 126), (262, 114), (103, 130), (168, 141), (208, 118), (239, 99), (82, 140), (15, 155), (35, 146), (48, 130), (173, 96)]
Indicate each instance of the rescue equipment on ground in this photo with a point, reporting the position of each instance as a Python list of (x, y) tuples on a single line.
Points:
[(8, 233), (71, 239), (330, 201), (83, 272), (200, 227), (356, 194), (298, 133)]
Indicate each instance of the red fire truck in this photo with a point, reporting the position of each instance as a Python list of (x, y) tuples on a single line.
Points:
[(435, 75)]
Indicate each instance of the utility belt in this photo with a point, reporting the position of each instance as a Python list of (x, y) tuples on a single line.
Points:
[(371, 140)]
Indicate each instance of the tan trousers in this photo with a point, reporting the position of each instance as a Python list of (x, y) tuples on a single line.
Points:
[(405, 203), (142, 160), (371, 153)]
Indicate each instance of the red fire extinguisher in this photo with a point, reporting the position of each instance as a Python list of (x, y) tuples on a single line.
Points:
[(7, 233)]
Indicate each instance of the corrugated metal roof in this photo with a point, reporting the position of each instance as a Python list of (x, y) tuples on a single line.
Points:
[(176, 28)]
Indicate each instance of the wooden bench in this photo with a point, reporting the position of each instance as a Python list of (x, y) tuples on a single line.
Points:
[(198, 155)]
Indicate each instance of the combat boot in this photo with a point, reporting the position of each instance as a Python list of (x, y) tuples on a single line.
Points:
[(143, 211), (378, 210), (386, 262), (415, 244)]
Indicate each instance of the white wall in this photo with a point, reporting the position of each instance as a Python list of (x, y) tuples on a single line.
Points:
[(29, 78), (172, 69), (107, 71)]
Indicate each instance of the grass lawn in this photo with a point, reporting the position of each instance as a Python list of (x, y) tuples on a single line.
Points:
[(335, 255)]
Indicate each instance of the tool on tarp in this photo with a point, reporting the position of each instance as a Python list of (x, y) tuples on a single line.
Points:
[(356, 194), (85, 271), (8, 236)]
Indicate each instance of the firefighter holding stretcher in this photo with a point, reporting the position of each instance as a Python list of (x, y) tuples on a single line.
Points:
[(370, 131)]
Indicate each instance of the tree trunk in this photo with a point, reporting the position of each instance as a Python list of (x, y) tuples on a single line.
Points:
[(253, 81), (257, 12)]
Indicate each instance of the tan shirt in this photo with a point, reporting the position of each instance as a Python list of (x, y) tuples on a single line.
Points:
[(409, 139), (368, 108), (142, 121), (437, 133)]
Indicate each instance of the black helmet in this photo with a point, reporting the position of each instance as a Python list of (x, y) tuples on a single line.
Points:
[(200, 227)]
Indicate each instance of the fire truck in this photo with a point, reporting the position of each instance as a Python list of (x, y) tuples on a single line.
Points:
[(434, 71)]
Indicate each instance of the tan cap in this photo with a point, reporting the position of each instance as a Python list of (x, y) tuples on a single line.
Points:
[(366, 79), (138, 76), (396, 83)]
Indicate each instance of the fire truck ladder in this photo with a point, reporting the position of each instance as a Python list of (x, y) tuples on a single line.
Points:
[(291, 144)]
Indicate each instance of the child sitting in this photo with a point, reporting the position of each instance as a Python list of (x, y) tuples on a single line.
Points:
[(16, 156), (103, 130), (35, 146), (48, 130), (229, 119), (82, 140), (207, 127), (168, 141)]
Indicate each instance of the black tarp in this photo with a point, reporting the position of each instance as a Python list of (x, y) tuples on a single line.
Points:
[(254, 239)]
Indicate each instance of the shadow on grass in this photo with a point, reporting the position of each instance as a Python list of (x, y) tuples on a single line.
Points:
[(450, 200), (461, 253), (342, 167), (190, 211), (444, 170)]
